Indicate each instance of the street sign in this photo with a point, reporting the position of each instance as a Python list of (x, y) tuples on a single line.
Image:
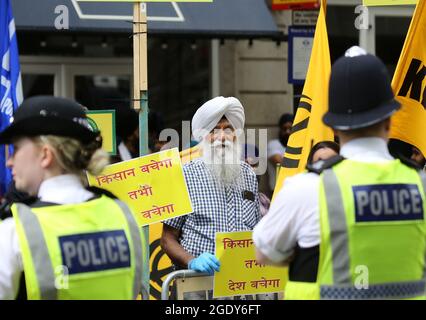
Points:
[(104, 121), (300, 42), (389, 2), (294, 4)]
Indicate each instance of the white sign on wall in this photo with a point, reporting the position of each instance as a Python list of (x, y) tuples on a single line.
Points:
[(301, 41), (305, 17)]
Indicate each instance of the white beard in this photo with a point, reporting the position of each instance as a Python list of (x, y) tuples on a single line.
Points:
[(223, 160)]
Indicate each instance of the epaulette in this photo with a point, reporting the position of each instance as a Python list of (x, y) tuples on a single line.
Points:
[(6, 206), (409, 162), (321, 165), (99, 192), (5, 211)]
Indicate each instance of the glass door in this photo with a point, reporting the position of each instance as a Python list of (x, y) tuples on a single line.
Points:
[(100, 86), (41, 79)]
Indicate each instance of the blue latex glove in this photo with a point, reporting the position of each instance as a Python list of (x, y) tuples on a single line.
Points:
[(206, 262)]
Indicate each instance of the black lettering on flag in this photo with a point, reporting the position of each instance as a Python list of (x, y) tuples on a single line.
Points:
[(305, 97), (424, 99), (292, 150), (300, 126), (297, 151), (414, 81), (305, 105), (290, 163)]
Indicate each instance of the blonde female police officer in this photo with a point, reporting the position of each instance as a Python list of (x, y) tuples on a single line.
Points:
[(356, 228), (73, 242)]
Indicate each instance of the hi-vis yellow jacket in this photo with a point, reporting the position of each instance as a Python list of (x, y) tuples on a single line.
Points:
[(90, 250)]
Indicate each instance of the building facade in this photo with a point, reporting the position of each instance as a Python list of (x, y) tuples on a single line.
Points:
[(238, 48)]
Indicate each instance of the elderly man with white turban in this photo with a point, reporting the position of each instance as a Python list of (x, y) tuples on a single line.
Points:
[(223, 189)]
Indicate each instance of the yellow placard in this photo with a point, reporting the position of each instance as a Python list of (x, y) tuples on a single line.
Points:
[(389, 2), (104, 121), (239, 273), (153, 186)]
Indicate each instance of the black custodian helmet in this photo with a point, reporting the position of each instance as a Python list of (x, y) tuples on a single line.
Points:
[(360, 93), (47, 115)]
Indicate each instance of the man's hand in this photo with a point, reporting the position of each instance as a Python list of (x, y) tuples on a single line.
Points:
[(206, 262), (276, 159)]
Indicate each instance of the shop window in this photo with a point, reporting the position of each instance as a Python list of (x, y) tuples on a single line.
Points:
[(102, 91), (38, 84)]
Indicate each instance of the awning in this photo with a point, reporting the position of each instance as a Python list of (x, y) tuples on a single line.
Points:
[(222, 18)]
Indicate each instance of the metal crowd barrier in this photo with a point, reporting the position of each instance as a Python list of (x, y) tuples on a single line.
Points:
[(182, 276), (191, 281), (144, 292)]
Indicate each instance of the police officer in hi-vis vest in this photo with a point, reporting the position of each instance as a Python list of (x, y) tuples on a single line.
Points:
[(354, 227), (72, 242)]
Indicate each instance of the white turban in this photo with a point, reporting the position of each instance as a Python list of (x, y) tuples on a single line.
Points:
[(209, 114)]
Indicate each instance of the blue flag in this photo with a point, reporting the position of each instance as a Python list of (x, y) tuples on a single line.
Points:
[(11, 85)]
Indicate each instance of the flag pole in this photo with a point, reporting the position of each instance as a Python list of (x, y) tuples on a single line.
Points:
[(140, 104)]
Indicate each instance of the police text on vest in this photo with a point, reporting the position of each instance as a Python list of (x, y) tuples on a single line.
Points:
[(387, 202), (97, 251)]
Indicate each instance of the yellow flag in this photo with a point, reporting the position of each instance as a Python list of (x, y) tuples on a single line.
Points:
[(308, 127), (409, 84)]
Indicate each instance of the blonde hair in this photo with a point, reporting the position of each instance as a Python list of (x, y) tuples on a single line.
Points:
[(74, 157)]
